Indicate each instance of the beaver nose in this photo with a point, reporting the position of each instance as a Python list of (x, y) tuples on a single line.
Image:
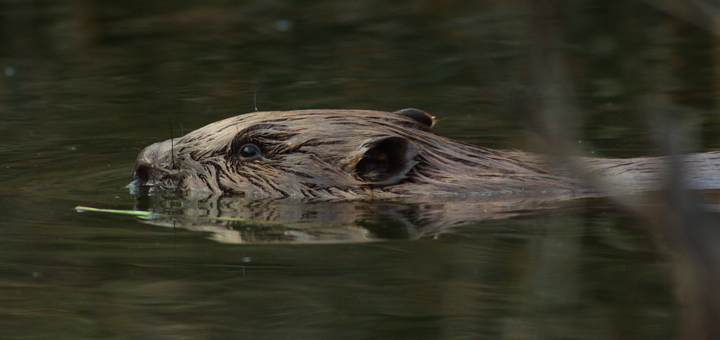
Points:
[(149, 161), (141, 175)]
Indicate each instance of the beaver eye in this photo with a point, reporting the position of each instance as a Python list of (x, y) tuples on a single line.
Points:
[(249, 152)]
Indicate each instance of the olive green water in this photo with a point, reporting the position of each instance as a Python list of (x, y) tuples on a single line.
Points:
[(86, 85)]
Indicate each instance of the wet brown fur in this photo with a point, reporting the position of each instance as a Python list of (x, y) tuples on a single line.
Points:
[(357, 154)]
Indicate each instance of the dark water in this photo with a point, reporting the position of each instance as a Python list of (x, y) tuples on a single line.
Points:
[(86, 85)]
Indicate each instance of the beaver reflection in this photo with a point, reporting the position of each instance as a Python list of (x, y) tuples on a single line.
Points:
[(356, 154)]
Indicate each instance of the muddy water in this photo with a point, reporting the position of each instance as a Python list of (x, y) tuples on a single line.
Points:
[(85, 86)]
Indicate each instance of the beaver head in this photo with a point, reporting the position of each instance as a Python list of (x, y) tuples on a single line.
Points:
[(329, 154)]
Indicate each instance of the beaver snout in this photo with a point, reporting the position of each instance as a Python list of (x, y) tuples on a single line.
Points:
[(150, 166)]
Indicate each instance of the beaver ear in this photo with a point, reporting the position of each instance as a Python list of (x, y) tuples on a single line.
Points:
[(386, 161), (419, 116)]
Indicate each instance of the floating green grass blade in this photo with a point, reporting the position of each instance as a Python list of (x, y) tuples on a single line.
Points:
[(114, 211)]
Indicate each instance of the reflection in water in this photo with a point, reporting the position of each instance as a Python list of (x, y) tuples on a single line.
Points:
[(241, 220)]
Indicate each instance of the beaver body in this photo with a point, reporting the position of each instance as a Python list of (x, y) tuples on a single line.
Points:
[(357, 154)]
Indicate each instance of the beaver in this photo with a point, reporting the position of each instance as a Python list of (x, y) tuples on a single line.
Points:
[(362, 154)]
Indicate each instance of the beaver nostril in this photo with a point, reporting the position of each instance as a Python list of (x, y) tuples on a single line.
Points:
[(141, 175)]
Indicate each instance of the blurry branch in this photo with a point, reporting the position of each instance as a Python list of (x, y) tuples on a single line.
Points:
[(691, 232), (550, 106), (701, 13)]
